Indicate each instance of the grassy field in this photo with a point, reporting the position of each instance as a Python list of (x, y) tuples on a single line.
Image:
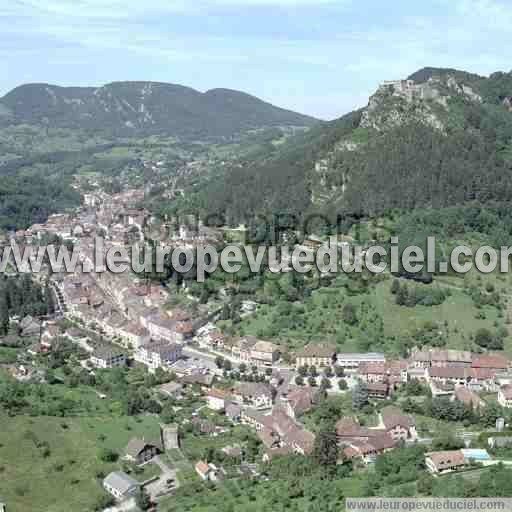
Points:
[(320, 318), (236, 496), (194, 446), (51, 464), (457, 312), (8, 355)]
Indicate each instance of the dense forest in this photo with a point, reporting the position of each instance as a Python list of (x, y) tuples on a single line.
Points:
[(410, 165)]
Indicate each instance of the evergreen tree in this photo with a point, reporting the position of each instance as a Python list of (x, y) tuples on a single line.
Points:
[(50, 303), (325, 450), (360, 396), (4, 314), (402, 295), (395, 286)]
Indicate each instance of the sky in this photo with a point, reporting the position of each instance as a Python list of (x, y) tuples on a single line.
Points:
[(318, 57)]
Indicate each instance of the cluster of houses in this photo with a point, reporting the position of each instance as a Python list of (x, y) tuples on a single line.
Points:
[(139, 452), (444, 371), (274, 418), (249, 349), (120, 305), (365, 443)]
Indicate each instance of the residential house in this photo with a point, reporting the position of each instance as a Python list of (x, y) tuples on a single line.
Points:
[(156, 354), (368, 450), (347, 429), (299, 400), (208, 472), (205, 380), (280, 433), (441, 358), (205, 427), (264, 353), (242, 348), (316, 354), (133, 334), (171, 389), (372, 372), (505, 396), (161, 327), (445, 461), (120, 485), (216, 399), (233, 412), (451, 358), (29, 326), (391, 373), (203, 470), (474, 378), (140, 451), (107, 356), (255, 394), (495, 362), (378, 390), (398, 425)]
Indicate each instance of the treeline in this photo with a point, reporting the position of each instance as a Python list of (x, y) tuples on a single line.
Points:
[(26, 200), (442, 408)]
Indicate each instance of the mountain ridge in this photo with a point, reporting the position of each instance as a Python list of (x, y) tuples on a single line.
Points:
[(443, 139), (127, 108)]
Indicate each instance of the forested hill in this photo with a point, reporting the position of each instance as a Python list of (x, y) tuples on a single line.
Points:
[(142, 108), (441, 138)]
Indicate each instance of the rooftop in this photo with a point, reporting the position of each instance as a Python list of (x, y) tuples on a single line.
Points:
[(120, 481)]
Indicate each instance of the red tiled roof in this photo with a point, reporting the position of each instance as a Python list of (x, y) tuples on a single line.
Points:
[(392, 416), (490, 361), (448, 372), (375, 368), (447, 459), (202, 467)]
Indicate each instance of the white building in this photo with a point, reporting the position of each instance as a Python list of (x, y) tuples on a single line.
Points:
[(108, 357), (216, 399), (264, 353), (351, 361), (158, 354), (120, 485), (134, 334)]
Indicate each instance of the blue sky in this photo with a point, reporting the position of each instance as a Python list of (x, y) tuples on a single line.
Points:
[(320, 57)]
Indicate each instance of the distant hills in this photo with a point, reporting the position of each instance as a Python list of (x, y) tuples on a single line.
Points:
[(145, 108)]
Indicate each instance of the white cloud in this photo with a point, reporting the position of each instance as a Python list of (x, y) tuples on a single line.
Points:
[(491, 14), (129, 8)]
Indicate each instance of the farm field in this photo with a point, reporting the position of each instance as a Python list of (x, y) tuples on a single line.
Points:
[(52, 464)]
